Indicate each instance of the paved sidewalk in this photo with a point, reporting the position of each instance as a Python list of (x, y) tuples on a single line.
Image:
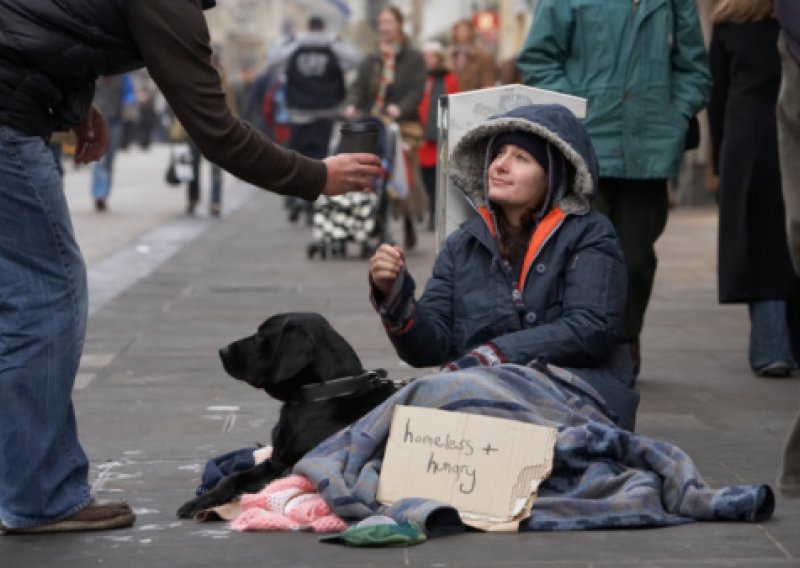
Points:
[(153, 403)]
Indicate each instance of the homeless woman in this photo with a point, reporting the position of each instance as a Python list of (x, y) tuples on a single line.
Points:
[(536, 276)]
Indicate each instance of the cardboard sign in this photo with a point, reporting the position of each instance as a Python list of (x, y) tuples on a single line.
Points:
[(487, 468)]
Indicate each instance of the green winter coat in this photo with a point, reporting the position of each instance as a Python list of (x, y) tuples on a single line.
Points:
[(641, 64)]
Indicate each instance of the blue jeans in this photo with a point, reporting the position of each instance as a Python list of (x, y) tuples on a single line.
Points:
[(103, 169), (769, 334), (43, 313)]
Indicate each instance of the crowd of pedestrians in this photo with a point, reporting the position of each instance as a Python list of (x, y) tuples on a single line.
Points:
[(643, 67)]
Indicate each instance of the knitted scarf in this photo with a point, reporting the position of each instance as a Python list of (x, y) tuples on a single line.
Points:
[(388, 56)]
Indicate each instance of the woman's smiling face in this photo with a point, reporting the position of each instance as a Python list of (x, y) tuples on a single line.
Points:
[(517, 182)]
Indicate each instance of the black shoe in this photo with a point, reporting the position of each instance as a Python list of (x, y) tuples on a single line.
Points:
[(100, 205), (776, 370), (190, 206)]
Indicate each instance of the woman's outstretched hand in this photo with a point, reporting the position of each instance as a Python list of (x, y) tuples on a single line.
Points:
[(385, 265), (351, 172)]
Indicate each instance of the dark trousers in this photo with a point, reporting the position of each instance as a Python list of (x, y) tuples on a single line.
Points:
[(429, 180), (638, 209), (312, 140), (193, 187)]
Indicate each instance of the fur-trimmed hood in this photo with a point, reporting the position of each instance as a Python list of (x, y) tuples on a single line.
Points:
[(554, 123)]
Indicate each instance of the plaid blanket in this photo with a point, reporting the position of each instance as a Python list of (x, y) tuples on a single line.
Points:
[(602, 477)]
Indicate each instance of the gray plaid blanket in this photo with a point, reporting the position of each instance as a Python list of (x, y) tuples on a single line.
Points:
[(602, 476)]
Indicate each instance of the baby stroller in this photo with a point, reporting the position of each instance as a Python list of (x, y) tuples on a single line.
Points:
[(356, 217)]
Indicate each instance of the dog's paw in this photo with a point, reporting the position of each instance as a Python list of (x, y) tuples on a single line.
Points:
[(189, 509)]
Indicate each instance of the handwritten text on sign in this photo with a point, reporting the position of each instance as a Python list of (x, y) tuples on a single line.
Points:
[(478, 464)]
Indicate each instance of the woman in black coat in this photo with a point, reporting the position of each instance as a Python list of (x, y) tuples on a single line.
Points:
[(753, 257)]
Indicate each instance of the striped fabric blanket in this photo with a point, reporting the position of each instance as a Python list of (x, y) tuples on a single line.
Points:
[(602, 476)]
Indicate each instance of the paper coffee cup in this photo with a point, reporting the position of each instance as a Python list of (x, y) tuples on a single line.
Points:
[(358, 137)]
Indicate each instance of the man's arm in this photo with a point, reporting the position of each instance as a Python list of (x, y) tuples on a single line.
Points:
[(173, 39)]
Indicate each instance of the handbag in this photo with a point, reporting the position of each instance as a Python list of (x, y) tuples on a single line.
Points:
[(170, 176), (411, 131), (179, 169)]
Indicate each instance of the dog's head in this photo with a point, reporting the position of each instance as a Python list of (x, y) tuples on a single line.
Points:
[(288, 351)]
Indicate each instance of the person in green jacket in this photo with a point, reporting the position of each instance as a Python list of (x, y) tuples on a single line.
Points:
[(643, 67)]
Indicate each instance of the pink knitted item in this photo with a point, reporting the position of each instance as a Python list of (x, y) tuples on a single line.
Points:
[(329, 523), (269, 500), (287, 504), (261, 520), (292, 482), (306, 508)]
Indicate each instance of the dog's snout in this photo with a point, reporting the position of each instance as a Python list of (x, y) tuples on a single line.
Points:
[(224, 352)]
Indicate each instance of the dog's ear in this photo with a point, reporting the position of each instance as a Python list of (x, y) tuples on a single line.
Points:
[(294, 353)]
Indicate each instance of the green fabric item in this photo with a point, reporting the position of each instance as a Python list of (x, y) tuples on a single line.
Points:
[(407, 533)]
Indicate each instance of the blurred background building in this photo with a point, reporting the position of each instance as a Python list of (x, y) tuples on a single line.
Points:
[(248, 28)]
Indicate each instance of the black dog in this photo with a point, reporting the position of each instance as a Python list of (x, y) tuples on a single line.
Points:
[(297, 358)]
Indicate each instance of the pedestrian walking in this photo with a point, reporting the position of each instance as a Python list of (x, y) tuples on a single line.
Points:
[(314, 64), (439, 81), (52, 53), (754, 266), (193, 186), (110, 95), (473, 65), (389, 84), (643, 67)]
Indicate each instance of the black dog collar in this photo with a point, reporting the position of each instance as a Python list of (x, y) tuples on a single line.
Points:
[(347, 385)]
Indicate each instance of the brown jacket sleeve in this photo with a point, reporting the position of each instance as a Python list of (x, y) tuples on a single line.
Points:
[(173, 39)]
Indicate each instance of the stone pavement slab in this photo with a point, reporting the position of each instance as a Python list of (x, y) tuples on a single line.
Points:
[(154, 404)]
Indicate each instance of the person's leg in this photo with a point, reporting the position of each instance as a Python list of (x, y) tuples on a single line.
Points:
[(770, 348), (789, 475), (102, 170), (788, 121), (310, 139), (193, 187), (43, 299), (298, 141), (639, 216), (638, 210), (429, 180), (215, 207), (114, 138), (101, 182)]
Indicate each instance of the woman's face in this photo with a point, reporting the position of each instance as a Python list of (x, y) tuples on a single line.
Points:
[(388, 27), (462, 34), (517, 183), (433, 59)]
